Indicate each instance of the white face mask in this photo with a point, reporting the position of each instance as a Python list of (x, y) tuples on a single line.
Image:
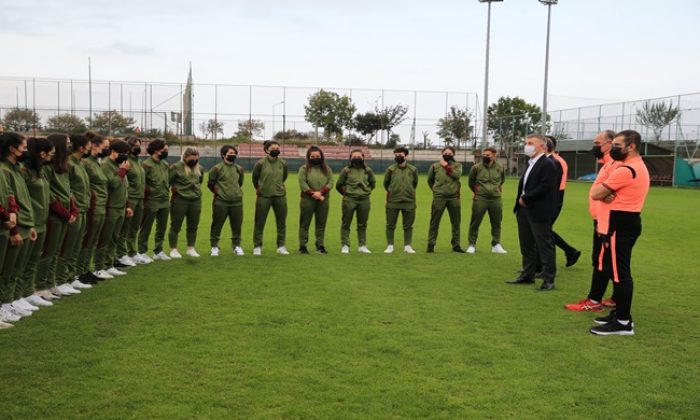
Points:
[(529, 150)]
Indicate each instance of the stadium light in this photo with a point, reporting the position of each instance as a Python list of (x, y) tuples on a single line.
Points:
[(485, 124), (549, 4)]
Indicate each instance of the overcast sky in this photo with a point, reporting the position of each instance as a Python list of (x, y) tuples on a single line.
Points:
[(601, 51)]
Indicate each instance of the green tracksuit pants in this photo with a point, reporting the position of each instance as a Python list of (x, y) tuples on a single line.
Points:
[(262, 208), (106, 251), (32, 278), (480, 206), (220, 213), (56, 229), (392, 217), (318, 210), (160, 218), (350, 207), (93, 227), (130, 230), (181, 209), (67, 267), (15, 261), (438, 207)]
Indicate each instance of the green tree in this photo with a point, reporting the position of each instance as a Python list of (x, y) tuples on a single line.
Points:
[(368, 124), (455, 126), (248, 129), (510, 120), (21, 119), (390, 117), (330, 111), (112, 123), (211, 128), (657, 116), (65, 123)]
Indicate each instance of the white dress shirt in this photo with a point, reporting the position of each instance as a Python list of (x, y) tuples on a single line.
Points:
[(530, 163)]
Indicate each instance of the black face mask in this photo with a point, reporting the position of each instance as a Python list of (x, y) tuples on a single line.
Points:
[(399, 159), (85, 155), (164, 155), (47, 162), (23, 157), (447, 158), (136, 151), (105, 152), (274, 153), (230, 158), (192, 163), (597, 152), (357, 162), (486, 160), (121, 158), (316, 161), (616, 154)]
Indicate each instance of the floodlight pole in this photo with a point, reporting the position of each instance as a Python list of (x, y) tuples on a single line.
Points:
[(549, 4), (485, 127)]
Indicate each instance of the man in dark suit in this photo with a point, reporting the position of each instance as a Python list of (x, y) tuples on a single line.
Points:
[(535, 208)]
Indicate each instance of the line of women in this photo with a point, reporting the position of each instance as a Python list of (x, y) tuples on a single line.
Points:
[(78, 209)]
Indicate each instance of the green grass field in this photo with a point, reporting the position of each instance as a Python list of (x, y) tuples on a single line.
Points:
[(369, 336)]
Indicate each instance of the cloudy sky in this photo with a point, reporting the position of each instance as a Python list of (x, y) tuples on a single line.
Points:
[(601, 51)]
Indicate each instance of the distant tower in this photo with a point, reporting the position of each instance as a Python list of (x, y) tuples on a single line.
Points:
[(188, 105)]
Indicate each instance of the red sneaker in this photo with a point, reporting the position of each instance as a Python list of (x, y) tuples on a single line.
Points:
[(608, 303), (586, 305)]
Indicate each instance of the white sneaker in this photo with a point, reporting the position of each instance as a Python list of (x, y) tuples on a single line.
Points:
[(191, 252), (68, 290), (19, 311), (174, 253), (36, 300), (238, 251), (47, 295), (498, 249), (282, 250), (257, 251), (77, 284), (102, 274), (57, 292), (408, 249), (345, 249), (161, 256), (5, 325), (215, 251), (364, 250), (126, 260), (141, 259), (7, 315), (389, 249), (146, 258), (24, 304), (115, 272), (471, 249)]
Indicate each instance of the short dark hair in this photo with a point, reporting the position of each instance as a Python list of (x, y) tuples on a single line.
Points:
[(77, 141), (8, 140), (401, 149), (268, 143), (492, 150), (550, 144), (131, 141), (155, 146), (119, 146), (631, 137), (448, 148), (553, 140), (225, 148), (610, 134), (94, 137)]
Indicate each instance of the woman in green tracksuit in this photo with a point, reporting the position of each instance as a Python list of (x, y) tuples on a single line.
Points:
[(225, 182), (114, 167), (443, 180), (269, 175), (316, 182), (400, 182), (156, 200), (41, 153), (67, 270), (97, 210), (8, 220), (62, 212), (186, 203), (126, 248), (12, 151), (355, 182)]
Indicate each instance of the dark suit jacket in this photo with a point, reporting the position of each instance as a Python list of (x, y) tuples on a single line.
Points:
[(540, 192)]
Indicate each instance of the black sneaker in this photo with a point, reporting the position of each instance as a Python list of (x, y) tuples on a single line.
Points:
[(602, 320), (457, 249), (321, 250), (431, 249), (117, 264), (303, 250), (84, 278), (572, 258), (613, 327)]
